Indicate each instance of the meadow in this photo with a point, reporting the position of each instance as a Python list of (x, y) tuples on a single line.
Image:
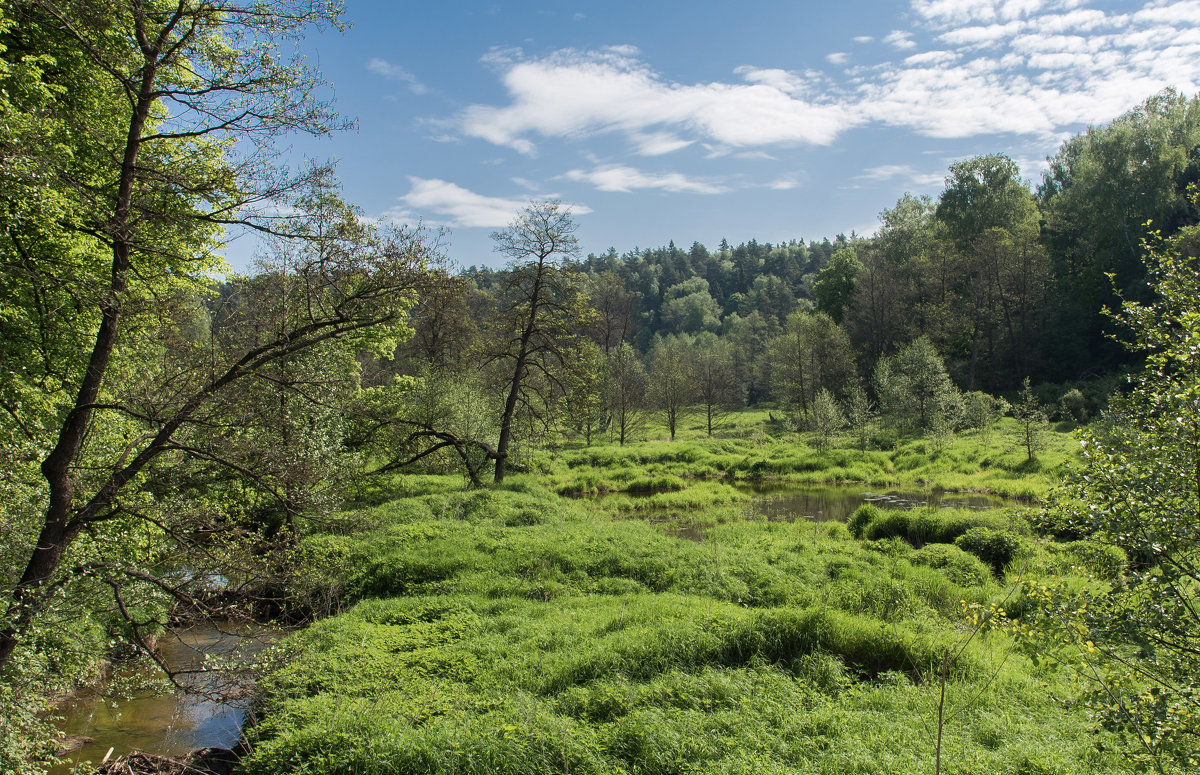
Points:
[(519, 630)]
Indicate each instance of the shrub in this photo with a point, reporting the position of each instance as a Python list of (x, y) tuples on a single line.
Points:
[(1106, 562), (924, 526), (995, 547), (1072, 405), (862, 516), (665, 483), (955, 564)]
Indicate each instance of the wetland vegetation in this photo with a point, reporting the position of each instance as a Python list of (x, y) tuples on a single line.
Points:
[(536, 518), (516, 630)]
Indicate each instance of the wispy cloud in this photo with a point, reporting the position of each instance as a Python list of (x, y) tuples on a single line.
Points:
[(965, 68), (658, 143), (443, 203), (900, 40), (951, 12), (615, 177), (783, 184), (397, 73), (904, 172)]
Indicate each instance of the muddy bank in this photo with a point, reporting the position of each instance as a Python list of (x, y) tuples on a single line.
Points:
[(206, 761)]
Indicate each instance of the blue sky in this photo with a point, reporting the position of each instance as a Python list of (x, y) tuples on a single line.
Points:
[(662, 121)]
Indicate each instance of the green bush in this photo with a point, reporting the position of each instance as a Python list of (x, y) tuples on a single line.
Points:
[(1106, 562), (955, 564), (924, 525), (862, 516), (995, 547), (664, 483)]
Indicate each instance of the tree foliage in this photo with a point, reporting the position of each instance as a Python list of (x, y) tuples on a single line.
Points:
[(141, 130), (1031, 420), (914, 390), (811, 354), (718, 389), (671, 387), (1138, 490), (626, 392), (1101, 189)]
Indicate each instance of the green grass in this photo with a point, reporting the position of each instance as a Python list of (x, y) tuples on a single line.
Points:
[(517, 631), (968, 462)]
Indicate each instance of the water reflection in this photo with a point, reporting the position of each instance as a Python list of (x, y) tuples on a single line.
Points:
[(826, 504), (788, 503), (171, 723)]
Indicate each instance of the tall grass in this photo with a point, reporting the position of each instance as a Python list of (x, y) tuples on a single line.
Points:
[(517, 631), (968, 462)]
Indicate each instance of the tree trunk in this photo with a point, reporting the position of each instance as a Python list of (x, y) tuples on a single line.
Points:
[(514, 392), (60, 526)]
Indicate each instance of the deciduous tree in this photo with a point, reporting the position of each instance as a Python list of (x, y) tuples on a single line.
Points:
[(811, 354), (834, 285), (719, 391), (915, 391), (626, 391), (1137, 490), (173, 108), (670, 388), (543, 310)]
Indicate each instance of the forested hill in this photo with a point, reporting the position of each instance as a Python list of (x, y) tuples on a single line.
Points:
[(752, 276), (1007, 278)]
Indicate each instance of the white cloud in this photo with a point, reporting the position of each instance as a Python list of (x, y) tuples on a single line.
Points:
[(725, 152), (903, 171), (658, 143), (1176, 14), (445, 203), (981, 35), (1083, 20), (1038, 43), (927, 58), (863, 39), (900, 40), (1024, 67), (397, 73), (615, 177), (786, 81), (573, 94), (986, 11)]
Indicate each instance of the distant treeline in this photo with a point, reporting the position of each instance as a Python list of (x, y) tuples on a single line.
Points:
[(1008, 280)]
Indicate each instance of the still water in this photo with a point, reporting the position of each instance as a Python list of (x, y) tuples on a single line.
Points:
[(170, 723), (825, 504), (789, 502)]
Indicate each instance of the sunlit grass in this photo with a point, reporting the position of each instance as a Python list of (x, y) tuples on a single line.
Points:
[(514, 630), (968, 462)]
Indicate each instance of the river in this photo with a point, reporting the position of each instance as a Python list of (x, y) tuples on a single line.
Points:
[(170, 723)]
